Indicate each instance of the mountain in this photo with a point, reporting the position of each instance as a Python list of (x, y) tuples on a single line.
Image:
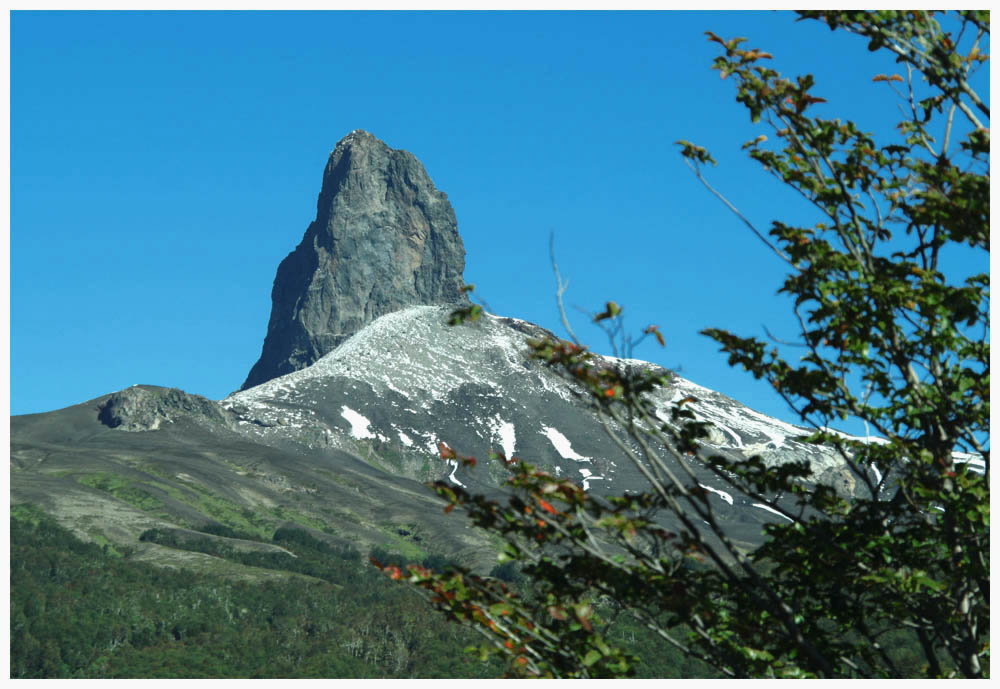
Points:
[(342, 447), (339, 423), (384, 238), (229, 538)]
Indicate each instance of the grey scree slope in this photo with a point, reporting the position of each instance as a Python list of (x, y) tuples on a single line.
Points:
[(384, 238)]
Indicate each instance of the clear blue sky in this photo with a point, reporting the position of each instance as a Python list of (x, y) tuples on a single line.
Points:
[(164, 163)]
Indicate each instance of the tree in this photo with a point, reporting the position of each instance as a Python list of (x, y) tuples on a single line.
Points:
[(886, 338)]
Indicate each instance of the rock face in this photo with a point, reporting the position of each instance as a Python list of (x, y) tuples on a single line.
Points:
[(384, 238), (147, 407)]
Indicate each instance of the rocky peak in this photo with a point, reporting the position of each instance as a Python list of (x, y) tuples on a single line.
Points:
[(384, 238)]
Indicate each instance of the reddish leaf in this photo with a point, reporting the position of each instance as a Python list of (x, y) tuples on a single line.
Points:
[(716, 39), (655, 332)]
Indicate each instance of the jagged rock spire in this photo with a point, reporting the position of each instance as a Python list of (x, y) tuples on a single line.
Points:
[(384, 238)]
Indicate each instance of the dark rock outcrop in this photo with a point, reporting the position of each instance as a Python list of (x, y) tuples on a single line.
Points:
[(384, 238), (147, 407)]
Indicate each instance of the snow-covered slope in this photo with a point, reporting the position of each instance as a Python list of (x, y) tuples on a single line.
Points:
[(409, 381)]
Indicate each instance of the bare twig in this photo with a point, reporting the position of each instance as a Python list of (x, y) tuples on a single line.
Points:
[(782, 342), (560, 289), (781, 254)]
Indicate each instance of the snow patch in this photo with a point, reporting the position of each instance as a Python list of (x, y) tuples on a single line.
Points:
[(359, 424), (878, 474), (588, 476), (721, 493), (562, 444), (504, 432), (432, 444), (772, 511), (454, 468)]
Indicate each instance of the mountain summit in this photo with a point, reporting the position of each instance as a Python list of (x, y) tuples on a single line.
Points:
[(361, 381), (384, 238)]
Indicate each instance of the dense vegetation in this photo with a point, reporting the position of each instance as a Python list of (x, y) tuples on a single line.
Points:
[(78, 610)]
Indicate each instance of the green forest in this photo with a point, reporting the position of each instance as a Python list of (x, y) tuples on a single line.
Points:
[(80, 610)]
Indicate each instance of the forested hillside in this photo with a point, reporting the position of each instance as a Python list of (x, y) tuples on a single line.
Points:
[(82, 610)]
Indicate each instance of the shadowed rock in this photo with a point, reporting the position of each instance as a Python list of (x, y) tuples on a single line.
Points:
[(384, 238), (147, 407)]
